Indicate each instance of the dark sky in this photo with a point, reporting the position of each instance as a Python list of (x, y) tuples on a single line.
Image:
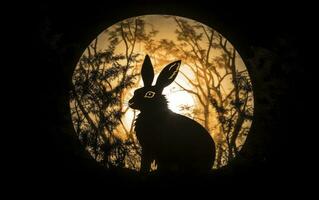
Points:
[(57, 34)]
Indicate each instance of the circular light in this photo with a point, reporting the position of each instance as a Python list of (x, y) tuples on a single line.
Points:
[(212, 86)]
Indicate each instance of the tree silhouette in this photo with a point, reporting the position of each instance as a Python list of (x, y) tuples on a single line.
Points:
[(99, 82), (198, 46), (109, 69)]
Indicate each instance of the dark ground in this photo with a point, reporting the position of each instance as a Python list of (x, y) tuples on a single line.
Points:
[(276, 156)]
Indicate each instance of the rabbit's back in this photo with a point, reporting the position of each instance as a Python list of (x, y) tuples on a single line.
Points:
[(176, 141)]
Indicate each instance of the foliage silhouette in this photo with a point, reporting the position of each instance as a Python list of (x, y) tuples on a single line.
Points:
[(104, 75), (100, 80), (234, 108)]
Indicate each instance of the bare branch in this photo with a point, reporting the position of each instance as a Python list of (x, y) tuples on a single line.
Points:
[(209, 46), (189, 80), (222, 78), (86, 115), (192, 92), (125, 41)]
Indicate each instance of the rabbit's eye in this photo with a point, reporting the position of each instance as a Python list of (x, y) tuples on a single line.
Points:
[(149, 94)]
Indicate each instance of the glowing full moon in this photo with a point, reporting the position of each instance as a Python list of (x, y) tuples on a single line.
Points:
[(212, 87), (178, 99)]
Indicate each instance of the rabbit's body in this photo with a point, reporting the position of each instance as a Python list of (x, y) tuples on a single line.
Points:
[(177, 143)]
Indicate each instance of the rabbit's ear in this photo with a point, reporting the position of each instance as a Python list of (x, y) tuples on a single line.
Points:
[(147, 71), (168, 74)]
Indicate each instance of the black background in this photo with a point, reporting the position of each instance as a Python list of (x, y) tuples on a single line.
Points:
[(276, 157)]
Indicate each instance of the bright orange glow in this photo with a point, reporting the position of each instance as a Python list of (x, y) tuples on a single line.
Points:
[(203, 90)]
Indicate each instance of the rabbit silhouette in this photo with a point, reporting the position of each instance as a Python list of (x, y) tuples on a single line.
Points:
[(176, 142)]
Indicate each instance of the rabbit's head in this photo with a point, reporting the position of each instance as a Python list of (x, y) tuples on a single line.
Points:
[(147, 97)]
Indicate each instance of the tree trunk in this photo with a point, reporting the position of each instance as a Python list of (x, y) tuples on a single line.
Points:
[(206, 116), (235, 134), (219, 155)]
